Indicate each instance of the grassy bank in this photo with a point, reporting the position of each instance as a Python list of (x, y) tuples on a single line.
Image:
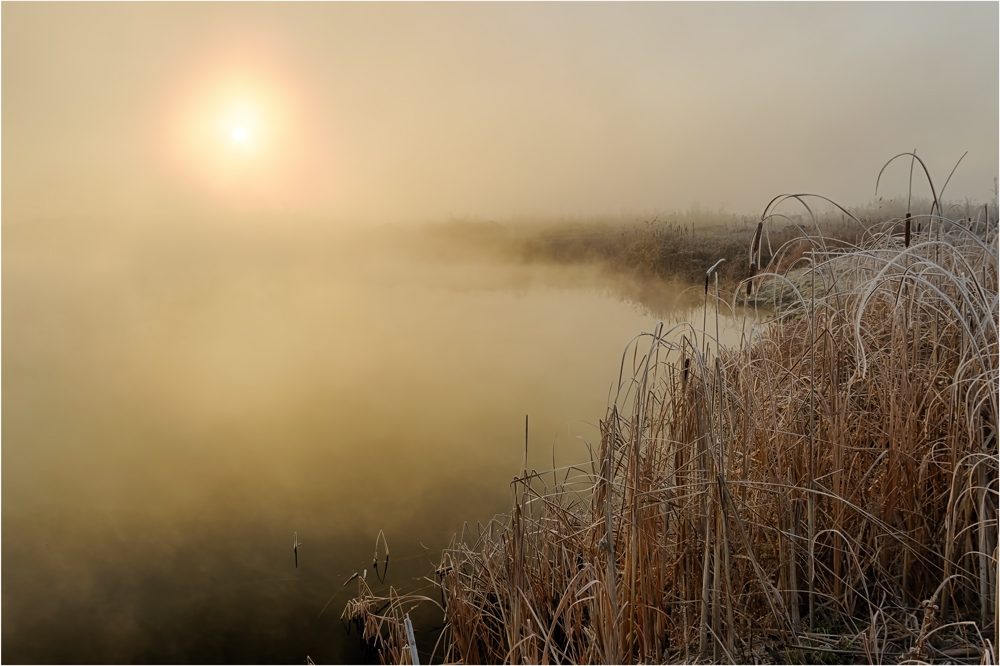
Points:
[(824, 492), (668, 246)]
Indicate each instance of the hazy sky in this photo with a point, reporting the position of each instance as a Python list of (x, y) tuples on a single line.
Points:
[(393, 112)]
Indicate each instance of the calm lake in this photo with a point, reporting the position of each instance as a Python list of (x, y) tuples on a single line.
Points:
[(178, 401)]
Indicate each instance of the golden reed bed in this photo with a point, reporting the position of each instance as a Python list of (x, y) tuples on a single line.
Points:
[(823, 492)]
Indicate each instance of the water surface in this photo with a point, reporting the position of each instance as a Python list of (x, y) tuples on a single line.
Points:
[(178, 402)]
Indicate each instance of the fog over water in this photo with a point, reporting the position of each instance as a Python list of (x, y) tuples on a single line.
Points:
[(178, 403), (221, 328)]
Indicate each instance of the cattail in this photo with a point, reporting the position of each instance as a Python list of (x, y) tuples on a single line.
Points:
[(755, 244), (906, 231)]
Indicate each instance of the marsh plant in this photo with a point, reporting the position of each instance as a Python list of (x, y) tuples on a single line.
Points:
[(823, 491)]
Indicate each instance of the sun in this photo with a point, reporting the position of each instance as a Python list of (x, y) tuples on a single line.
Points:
[(234, 130)]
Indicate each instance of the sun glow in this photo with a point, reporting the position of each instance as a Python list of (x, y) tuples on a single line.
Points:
[(243, 132)]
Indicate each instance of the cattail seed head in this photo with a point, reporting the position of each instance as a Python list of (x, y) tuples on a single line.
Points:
[(755, 245)]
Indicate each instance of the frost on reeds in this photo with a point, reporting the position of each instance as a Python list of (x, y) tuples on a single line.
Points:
[(383, 622), (826, 490)]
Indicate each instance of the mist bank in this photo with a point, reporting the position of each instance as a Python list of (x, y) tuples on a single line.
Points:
[(637, 256), (631, 256)]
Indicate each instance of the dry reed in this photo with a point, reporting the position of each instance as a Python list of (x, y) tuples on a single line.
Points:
[(824, 491)]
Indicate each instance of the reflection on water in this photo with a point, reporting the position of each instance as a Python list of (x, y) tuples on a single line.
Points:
[(177, 404)]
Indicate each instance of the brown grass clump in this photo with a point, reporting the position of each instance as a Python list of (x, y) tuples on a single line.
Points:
[(383, 622), (826, 491)]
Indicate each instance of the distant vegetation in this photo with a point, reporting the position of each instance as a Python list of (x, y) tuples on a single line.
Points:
[(824, 492), (671, 246)]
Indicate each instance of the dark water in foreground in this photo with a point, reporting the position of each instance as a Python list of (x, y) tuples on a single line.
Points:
[(177, 405)]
